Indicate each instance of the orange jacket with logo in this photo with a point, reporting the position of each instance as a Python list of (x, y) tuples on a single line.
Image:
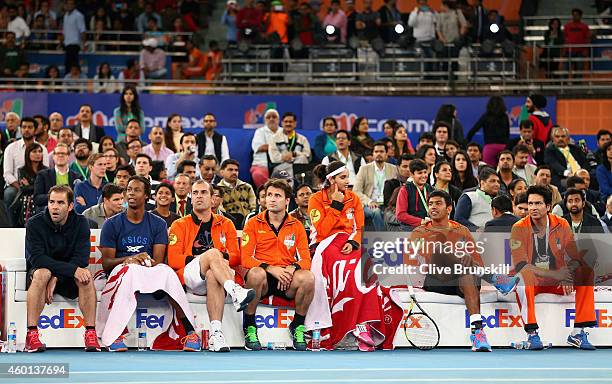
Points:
[(261, 245), (184, 231), (330, 218), (560, 241)]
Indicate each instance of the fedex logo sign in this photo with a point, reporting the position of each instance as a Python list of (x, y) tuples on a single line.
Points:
[(150, 321), (413, 321), (603, 319), (500, 319), (65, 319), (279, 319), (94, 257)]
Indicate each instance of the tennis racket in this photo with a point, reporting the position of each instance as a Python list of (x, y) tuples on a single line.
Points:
[(420, 329)]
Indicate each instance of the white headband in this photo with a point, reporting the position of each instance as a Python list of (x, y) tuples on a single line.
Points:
[(337, 171)]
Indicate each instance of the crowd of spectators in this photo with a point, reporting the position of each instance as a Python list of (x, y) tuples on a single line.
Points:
[(154, 28), (391, 176)]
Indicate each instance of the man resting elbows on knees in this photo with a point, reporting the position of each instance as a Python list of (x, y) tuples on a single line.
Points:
[(275, 250), (57, 253), (202, 248)]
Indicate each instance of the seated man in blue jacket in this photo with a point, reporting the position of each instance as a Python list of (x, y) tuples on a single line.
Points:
[(57, 256), (88, 193)]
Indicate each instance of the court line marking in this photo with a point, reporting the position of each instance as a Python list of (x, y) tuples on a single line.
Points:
[(397, 380), (390, 369)]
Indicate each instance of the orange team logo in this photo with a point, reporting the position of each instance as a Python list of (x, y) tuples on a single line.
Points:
[(315, 215), (172, 239)]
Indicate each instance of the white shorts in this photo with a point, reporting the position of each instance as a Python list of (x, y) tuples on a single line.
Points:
[(194, 282)]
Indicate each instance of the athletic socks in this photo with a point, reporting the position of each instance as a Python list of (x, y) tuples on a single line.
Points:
[(215, 326), (229, 286), (187, 325), (297, 321), (32, 328), (248, 320), (476, 322)]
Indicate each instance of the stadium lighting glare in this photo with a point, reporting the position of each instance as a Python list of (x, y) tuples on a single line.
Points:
[(399, 29), (494, 28), (330, 30)]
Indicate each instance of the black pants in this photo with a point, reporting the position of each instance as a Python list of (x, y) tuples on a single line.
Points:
[(72, 56)]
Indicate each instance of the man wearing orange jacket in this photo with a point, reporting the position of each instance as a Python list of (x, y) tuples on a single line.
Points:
[(202, 248), (275, 250), (539, 244)]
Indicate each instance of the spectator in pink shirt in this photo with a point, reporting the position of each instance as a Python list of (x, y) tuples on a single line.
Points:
[(337, 18), (157, 150), (152, 60)]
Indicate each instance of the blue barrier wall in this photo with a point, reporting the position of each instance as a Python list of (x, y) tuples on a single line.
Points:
[(239, 115)]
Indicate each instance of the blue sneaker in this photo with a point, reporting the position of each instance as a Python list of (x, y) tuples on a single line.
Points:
[(504, 283), (534, 343), (191, 342), (480, 342), (580, 341), (118, 345)]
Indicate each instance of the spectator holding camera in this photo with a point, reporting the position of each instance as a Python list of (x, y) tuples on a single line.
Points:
[(188, 151)]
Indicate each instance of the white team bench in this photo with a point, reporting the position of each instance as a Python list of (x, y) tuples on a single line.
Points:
[(61, 322)]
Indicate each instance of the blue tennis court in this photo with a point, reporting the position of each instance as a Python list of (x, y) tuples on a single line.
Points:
[(400, 366)]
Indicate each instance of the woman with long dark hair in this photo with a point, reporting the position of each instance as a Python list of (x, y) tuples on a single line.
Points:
[(463, 178), (389, 128), (325, 143), (401, 141), (496, 126), (428, 154), (106, 142), (361, 141), (516, 186), (128, 109), (173, 132), (23, 207), (101, 80), (337, 220), (448, 114)]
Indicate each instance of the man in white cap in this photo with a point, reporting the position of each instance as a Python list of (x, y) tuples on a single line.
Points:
[(259, 145), (152, 60)]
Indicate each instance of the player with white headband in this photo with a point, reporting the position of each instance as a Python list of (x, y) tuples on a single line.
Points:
[(337, 220)]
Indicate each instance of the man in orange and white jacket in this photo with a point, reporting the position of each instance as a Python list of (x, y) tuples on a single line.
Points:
[(545, 256), (202, 249), (275, 250)]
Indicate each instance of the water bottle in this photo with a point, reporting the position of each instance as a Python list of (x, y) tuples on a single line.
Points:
[(12, 338), (142, 334), (142, 338), (315, 344)]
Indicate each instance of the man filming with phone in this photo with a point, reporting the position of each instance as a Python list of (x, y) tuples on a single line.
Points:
[(188, 151)]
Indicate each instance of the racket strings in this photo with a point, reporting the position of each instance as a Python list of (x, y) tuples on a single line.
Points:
[(421, 331)]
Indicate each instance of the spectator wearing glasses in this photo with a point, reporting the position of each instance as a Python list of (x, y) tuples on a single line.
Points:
[(59, 174)]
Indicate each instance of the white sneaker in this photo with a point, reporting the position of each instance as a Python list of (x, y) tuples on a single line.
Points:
[(216, 342), (242, 297)]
